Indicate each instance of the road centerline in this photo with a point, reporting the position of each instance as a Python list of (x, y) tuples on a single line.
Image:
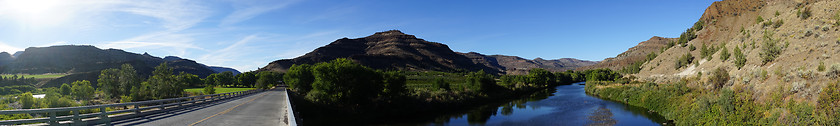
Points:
[(228, 110)]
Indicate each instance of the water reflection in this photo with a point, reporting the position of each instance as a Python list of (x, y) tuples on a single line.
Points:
[(563, 105)]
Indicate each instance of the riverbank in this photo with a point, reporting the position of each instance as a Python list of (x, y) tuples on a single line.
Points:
[(735, 105)]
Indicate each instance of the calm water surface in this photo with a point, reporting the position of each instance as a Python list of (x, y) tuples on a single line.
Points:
[(564, 105)]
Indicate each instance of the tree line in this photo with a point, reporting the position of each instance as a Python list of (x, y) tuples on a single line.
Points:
[(124, 84)]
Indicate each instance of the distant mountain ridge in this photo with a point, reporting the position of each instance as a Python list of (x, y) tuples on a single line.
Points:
[(85, 62), (395, 50), (217, 69), (519, 65)]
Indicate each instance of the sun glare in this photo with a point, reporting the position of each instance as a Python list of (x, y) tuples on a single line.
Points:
[(34, 12)]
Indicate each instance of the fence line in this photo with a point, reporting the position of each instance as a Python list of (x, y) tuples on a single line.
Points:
[(106, 117)]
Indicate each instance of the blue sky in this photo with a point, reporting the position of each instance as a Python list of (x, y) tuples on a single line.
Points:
[(248, 34)]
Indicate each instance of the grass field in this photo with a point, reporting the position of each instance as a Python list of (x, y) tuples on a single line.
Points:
[(418, 80), (218, 90), (39, 76)]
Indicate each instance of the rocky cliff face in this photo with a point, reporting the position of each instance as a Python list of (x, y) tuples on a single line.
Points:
[(394, 50), (635, 54)]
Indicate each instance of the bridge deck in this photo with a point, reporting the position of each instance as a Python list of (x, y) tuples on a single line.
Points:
[(263, 109)]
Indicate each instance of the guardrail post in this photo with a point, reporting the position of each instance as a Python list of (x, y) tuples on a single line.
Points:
[(104, 116), (53, 120), (137, 109), (162, 106), (77, 121)]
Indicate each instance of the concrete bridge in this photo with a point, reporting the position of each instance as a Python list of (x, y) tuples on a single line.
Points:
[(251, 108)]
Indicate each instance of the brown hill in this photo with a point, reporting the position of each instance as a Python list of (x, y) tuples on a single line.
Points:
[(394, 50), (85, 63), (387, 50), (519, 65), (783, 48), (635, 54)]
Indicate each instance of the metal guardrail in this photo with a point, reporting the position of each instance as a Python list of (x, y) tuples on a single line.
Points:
[(290, 113), (140, 108)]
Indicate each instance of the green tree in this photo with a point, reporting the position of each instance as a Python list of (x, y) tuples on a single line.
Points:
[(345, 82), (246, 79), (190, 80), (128, 79), (118, 82), (210, 79), (109, 82), (268, 79), (394, 84), (740, 58), (143, 92), (224, 78), (539, 76), (440, 84), (300, 78), (65, 89), (164, 83), (481, 82), (82, 90), (724, 53), (684, 60), (27, 101)]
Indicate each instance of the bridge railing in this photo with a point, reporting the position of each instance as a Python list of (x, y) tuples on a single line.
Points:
[(103, 116)]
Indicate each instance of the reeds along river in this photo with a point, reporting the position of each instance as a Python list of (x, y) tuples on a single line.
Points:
[(562, 105)]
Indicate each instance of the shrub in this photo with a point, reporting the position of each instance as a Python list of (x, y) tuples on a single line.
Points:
[(209, 89), (804, 12), (833, 71), (767, 23), (719, 77), (684, 60), (821, 67), (777, 13), (828, 108), (778, 23), (759, 19)]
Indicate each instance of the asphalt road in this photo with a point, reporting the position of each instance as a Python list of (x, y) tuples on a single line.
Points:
[(261, 109)]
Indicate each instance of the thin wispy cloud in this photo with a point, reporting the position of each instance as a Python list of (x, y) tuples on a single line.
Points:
[(245, 10), (233, 53)]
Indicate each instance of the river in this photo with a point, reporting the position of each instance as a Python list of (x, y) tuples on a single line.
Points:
[(563, 105)]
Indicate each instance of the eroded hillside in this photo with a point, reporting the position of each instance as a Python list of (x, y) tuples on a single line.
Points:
[(789, 46)]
